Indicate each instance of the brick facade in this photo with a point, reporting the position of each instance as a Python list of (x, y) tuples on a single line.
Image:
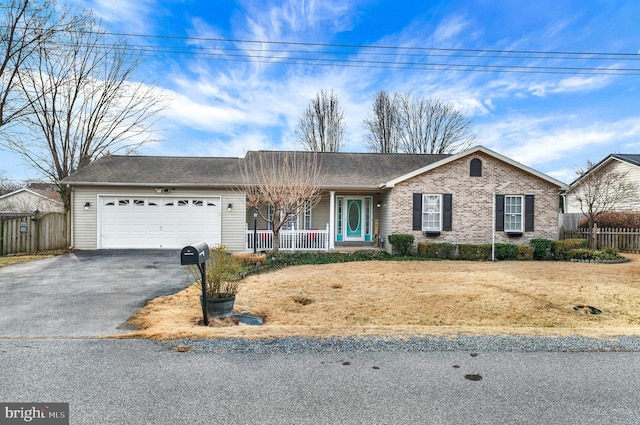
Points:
[(473, 200)]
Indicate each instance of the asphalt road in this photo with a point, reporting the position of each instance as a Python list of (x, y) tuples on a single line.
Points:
[(142, 382), (54, 313)]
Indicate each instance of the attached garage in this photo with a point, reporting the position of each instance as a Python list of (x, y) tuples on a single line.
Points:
[(158, 222)]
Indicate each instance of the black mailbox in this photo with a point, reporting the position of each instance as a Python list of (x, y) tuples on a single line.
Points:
[(197, 254)]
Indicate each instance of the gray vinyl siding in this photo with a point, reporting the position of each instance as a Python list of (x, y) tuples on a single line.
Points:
[(85, 222)]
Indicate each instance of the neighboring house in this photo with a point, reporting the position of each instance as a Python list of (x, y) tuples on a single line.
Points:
[(620, 163), (170, 202), (42, 198)]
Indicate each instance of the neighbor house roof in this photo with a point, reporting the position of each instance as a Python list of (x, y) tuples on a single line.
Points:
[(45, 194), (633, 159)]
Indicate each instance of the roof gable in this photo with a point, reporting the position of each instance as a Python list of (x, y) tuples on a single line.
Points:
[(471, 151), (632, 159), (49, 196)]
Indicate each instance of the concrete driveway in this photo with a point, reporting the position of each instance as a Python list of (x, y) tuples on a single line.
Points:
[(84, 294)]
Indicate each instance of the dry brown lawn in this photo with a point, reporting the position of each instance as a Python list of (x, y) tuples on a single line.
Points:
[(401, 299), (22, 258)]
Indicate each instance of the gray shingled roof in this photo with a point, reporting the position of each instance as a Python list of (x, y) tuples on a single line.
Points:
[(630, 158), (159, 170), (342, 170), (361, 170)]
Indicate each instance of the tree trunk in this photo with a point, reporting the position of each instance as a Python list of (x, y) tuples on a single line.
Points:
[(276, 241)]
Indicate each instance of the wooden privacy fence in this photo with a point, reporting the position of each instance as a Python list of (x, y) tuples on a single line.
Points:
[(622, 239), (33, 233)]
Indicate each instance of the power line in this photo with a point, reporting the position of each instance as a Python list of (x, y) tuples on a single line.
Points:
[(457, 59)]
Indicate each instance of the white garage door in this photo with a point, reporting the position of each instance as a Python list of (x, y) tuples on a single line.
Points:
[(154, 222)]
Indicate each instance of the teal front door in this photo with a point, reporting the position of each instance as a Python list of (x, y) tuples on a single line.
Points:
[(354, 219)]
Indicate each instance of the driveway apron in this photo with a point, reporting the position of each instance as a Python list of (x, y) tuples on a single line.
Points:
[(84, 294)]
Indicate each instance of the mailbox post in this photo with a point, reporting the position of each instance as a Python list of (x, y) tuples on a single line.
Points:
[(198, 254)]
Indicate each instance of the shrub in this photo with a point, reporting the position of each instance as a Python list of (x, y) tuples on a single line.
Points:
[(606, 254), (249, 258), (524, 252), (506, 251), (626, 220), (472, 252), (428, 249), (581, 254), (224, 273), (561, 248), (402, 244), (447, 251), (542, 249)]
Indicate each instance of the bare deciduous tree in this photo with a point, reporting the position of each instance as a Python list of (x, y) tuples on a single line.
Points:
[(383, 123), (287, 182), (82, 102), (600, 190), (432, 126), (321, 127), (24, 26)]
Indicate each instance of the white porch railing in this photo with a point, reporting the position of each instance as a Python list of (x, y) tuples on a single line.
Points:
[(290, 240)]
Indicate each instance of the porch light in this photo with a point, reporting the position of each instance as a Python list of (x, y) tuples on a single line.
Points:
[(378, 204), (229, 207), (87, 205)]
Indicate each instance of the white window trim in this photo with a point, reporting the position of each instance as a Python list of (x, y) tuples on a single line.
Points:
[(521, 214), (424, 204)]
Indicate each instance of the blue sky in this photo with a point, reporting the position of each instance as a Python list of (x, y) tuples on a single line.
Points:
[(226, 102)]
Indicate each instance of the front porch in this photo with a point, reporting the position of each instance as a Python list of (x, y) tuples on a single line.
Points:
[(304, 240), (341, 220)]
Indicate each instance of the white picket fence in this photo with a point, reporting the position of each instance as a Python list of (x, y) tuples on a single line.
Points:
[(290, 240)]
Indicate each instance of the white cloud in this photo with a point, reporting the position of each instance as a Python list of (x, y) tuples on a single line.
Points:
[(449, 29), (126, 14), (540, 140)]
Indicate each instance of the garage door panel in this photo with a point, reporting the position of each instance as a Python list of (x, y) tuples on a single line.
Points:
[(139, 222)]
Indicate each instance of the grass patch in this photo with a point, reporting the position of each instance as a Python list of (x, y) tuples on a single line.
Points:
[(10, 260), (399, 298)]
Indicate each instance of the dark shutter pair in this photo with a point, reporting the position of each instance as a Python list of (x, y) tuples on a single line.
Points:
[(447, 211), (528, 213)]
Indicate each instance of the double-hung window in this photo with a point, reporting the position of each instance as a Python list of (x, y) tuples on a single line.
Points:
[(431, 213), (513, 209)]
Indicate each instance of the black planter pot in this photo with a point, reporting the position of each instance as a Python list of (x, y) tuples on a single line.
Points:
[(220, 307)]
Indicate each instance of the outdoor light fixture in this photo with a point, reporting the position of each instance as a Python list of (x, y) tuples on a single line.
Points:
[(229, 207), (158, 190), (87, 205), (378, 204)]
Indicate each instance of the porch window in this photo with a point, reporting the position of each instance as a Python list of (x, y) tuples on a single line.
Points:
[(307, 218), (513, 213), (431, 213)]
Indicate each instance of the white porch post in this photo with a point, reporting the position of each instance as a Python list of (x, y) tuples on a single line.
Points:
[(332, 220)]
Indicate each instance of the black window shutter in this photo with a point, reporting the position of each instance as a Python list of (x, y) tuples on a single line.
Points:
[(447, 210), (417, 211), (500, 213), (528, 213)]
